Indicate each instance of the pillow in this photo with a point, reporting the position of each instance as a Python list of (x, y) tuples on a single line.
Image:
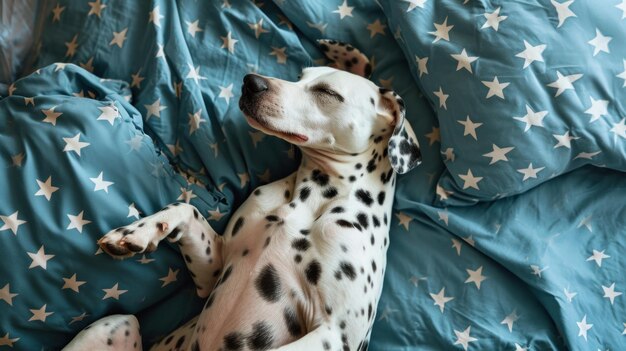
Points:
[(75, 163), (524, 91)]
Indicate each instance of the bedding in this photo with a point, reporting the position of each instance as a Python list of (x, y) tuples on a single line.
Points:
[(541, 269)]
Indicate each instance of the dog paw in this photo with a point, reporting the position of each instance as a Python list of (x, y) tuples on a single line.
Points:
[(127, 241)]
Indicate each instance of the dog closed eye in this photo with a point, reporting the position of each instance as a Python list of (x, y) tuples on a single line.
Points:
[(324, 89)]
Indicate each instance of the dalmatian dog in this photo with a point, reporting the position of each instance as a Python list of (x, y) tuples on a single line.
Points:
[(301, 263)]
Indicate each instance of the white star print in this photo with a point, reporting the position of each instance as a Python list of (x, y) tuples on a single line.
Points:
[(519, 347), (169, 278), (6, 295), (464, 61), (72, 283), (344, 10), (610, 293), (376, 27), (244, 178), (100, 183), (536, 270), (186, 195), (160, 51), (475, 277), (531, 53), (598, 256), (226, 93), (457, 245), (530, 172), (194, 73), (510, 319), (56, 12), (72, 46), (564, 82), (470, 127), (621, 6), (598, 109), (77, 222), (193, 28), (256, 137), (113, 292), (587, 223), (442, 98), (404, 220), (587, 155), (532, 118), (78, 318), (136, 80), (51, 115), (40, 314), (620, 128), (583, 327), (155, 16), (16, 160), (386, 313), (421, 66), (449, 154), (59, 66), (215, 215), (154, 109), (565, 140), (563, 11), (46, 188), (281, 56), (416, 281), (73, 144), (6, 340), (464, 338), (443, 216), (229, 43), (319, 26), (493, 20), (12, 89), (194, 121), (145, 260), (470, 240), (569, 295), (132, 211), (258, 28), (498, 154), (441, 299), (119, 38), (495, 88), (442, 31), (415, 3), (623, 74), (40, 259), (29, 101), (134, 142), (108, 113), (96, 8), (469, 180), (600, 43), (87, 65), (11, 222)]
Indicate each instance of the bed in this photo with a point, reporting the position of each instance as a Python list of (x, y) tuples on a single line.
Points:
[(510, 236)]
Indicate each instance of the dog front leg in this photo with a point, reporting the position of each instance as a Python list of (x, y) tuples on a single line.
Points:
[(200, 245)]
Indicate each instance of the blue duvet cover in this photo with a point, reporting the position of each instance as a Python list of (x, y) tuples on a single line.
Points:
[(510, 236)]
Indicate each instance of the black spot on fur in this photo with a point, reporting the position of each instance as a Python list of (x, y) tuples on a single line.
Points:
[(233, 341), (313, 272), (326, 345), (304, 193), (375, 221), (368, 70), (324, 47), (109, 341), (348, 269), (319, 177), (301, 244), (385, 219), (267, 242), (363, 221), (330, 192), (378, 139), (227, 273), (287, 194), (358, 166), (271, 218), (237, 226), (257, 192), (371, 165), (373, 266), (291, 320), (381, 197), (188, 258), (174, 233), (369, 311), (180, 342), (268, 284), (329, 310), (343, 223), (194, 347), (364, 196), (305, 231), (261, 337), (169, 339), (337, 209), (372, 240), (352, 178), (297, 258), (245, 253)]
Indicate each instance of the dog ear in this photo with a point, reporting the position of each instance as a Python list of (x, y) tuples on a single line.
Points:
[(346, 57), (403, 149)]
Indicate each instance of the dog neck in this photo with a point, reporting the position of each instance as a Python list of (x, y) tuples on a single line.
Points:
[(332, 176)]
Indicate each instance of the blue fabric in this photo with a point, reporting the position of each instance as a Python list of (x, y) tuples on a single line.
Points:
[(566, 72), (538, 250)]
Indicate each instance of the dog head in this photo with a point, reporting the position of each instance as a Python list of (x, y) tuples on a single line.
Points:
[(332, 110)]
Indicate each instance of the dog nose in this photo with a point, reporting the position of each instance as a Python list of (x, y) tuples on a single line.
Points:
[(254, 84)]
